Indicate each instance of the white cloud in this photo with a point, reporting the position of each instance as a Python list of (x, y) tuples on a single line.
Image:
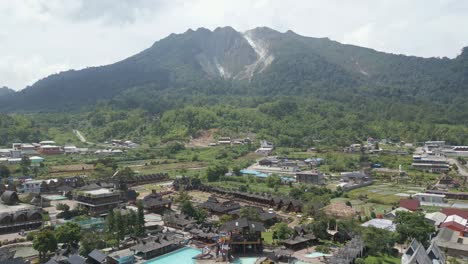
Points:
[(40, 37)]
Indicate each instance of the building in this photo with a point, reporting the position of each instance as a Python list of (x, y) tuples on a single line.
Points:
[(50, 150), (430, 146), (265, 148), (15, 217), (267, 218), (178, 221), (156, 203), (97, 257), (436, 218), (430, 164), (216, 207), (157, 245), (452, 243), (417, 254), (456, 223), (392, 214), (310, 177), (98, 201), (244, 235), (224, 141), (410, 204), (430, 198), (70, 150), (124, 256), (30, 186)]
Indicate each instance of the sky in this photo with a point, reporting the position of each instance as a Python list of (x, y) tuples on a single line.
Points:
[(42, 37)]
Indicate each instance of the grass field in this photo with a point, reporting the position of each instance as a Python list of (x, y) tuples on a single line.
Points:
[(382, 260)]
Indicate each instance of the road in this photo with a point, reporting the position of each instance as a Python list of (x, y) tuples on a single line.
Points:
[(80, 136), (461, 168)]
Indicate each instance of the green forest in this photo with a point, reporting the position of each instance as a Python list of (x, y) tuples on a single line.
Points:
[(286, 121)]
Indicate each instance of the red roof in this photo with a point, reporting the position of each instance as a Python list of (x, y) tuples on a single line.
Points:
[(454, 226), (455, 211), (410, 204)]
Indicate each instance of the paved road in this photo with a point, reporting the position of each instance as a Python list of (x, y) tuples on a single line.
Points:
[(80, 136)]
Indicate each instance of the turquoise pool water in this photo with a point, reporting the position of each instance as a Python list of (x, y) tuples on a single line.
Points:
[(317, 255), (181, 256), (245, 260)]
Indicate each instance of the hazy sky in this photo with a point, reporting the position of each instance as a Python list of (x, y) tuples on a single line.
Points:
[(40, 37)]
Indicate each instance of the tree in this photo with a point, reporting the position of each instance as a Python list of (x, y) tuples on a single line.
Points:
[(132, 221), (44, 242), (182, 197), (140, 227), (378, 241), (273, 181), (120, 226), (4, 171), (224, 219), (69, 234), (236, 171), (283, 231), (413, 225), (25, 163), (110, 222), (90, 241), (62, 207), (250, 213), (187, 208), (123, 176), (319, 228), (214, 172)]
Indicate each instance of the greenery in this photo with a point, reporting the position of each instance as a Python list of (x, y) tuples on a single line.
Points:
[(44, 241), (69, 234), (282, 231), (413, 226)]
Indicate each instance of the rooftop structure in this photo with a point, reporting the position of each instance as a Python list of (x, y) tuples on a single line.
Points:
[(436, 218), (417, 254), (98, 201), (452, 243), (217, 207), (15, 216), (430, 164), (339, 210), (310, 177), (410, 204), (155, 202)]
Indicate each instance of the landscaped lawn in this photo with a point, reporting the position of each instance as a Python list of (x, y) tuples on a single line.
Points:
[(267, 237), (382, 259)]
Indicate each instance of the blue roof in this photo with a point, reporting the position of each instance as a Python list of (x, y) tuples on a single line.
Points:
[(254, 173)]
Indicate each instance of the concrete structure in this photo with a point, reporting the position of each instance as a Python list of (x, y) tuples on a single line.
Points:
[(430, 164), (430, 198), (452, 243), (310, 177), (436, 218), (15, 217), (50, 150), (98, 201)]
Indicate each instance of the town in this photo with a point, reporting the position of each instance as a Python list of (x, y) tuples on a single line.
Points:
[(233, 201)]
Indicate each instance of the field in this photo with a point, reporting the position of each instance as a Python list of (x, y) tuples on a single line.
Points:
[(387, 194)]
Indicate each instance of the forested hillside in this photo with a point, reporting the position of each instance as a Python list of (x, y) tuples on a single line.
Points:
[(294, 90)]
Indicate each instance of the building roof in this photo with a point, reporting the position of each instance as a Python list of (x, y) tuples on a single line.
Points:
[(97, 255), (9, 197), (242, 223), (155, 200), (18, 260), (455, 211), (455, 222), (76, 259), (436, 217), (410, 204), (381, 223), (212, 204), (448, 238)]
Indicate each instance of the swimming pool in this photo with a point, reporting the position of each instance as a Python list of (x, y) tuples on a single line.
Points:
[(181, 256), (245, 260), (317, 255)]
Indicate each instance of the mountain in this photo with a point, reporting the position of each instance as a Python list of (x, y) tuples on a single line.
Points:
[(260, 62), (5, 91)]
